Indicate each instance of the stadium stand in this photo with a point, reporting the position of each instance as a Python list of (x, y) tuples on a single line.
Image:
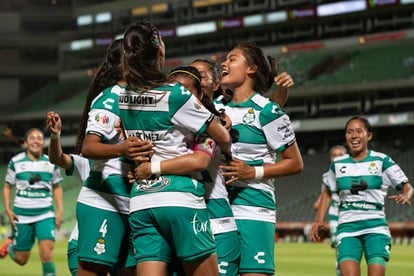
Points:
[(388, 59)]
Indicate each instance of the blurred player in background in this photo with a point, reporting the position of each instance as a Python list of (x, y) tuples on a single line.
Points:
[(362, 179)]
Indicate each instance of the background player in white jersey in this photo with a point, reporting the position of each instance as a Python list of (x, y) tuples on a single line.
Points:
[(265, 130), (167, 213), (334, 152), (37, 182), (362, 179)]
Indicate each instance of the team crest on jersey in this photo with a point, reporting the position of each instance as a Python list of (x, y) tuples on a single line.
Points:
[(373, 169), (100, 247), (102, 119), (249, 117), (153, 185)]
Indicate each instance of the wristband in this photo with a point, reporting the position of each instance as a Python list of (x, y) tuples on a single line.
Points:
[(156, 168), (259, 172), (55, 136)]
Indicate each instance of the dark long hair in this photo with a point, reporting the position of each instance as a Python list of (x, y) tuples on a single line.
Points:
[(141, 60), (108, 74), (364, 121), (367, 126), (266, 66), (194, 74), (188, 72), (215, 71)]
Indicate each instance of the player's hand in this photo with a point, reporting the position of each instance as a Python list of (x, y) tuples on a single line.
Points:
[(131, 176), (314, 232), (53, 122), (136, 149), (58, 219), (237, 169), (225, 120), (284, 80), (400, 199), (143, 171), (12, 218), (120, 130)]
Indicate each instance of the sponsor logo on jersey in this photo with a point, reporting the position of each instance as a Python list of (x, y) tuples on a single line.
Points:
[(102, 119), (286, 129), (147, 100), (199, 226), (249, 117)]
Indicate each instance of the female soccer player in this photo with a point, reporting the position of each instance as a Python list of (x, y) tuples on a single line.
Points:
[(362, 179), (37, 182), (265, 130), (103, 203), (168, 212), (205, 159)]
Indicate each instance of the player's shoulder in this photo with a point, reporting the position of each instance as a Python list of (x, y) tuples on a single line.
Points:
[(260, 100), (378, 154), (18, 157), (343, 158)]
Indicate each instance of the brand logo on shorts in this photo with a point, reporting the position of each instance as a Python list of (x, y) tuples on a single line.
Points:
[(152, 185), (257, 257), (221, 267), (199, 225), (100, 247)]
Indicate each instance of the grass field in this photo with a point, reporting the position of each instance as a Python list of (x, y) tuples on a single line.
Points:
[(292, 259)]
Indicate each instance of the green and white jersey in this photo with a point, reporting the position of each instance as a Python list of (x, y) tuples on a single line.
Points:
[(218, 205), (107, 186), (334, 205), (80, 169), (34, 181), (264, 129), (362, 187), (168, 116)]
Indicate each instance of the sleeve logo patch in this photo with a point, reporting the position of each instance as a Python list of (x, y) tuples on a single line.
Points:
[(102, 119), (208, 144), (198, 105)]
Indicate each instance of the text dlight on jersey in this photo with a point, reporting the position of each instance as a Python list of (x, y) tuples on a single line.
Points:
[(138, 99)]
